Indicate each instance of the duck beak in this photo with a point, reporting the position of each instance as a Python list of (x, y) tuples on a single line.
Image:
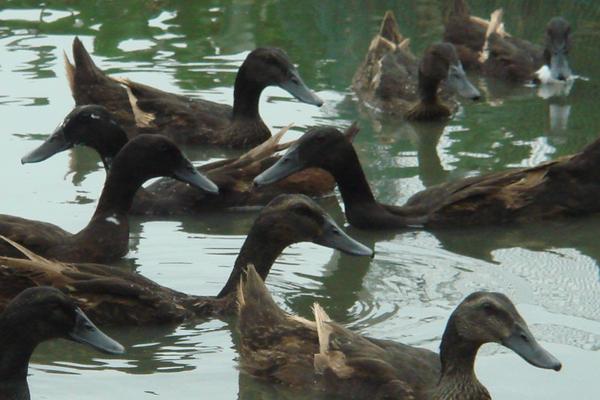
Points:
[(86, 332), (522, 342), (559, 65), (457, 81), (335, 238), (297, 88), (288, 164), (54, 144), (188, 174)]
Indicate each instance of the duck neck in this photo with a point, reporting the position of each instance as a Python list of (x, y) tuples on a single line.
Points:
[(15, 352), (458, 379), (246, 95), (428, 88), (260, 249), (118, 192), (351, 180)]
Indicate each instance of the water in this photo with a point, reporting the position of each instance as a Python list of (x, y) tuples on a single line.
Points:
[(407, 291)]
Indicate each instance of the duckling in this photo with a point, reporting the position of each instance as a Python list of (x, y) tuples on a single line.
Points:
[(395, 82), (567, 186), (486, 46), (143, 109), (325, 356), (34, 316), (94, 126), (106, 236), (116, 296)]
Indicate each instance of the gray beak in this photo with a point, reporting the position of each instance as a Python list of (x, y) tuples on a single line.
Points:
[(288, 164), (522, 342), (335, 238), (457, 81), (559, 66), (54, 144), (297, 88), (86, 332), (187, 173)]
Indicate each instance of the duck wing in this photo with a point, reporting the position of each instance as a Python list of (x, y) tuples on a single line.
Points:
[(36, 235)]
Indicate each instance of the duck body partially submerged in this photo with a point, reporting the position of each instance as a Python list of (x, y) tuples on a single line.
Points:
[(391, 79), (143, 109)]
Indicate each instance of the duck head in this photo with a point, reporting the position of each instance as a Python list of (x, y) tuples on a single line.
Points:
[(440, 62), (269, 66), (485, 317), (557, 46), (43, 313), (89, 125), (319, 147), (150, 156)]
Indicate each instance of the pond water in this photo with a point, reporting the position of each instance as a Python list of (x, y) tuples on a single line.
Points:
[(408, 290)]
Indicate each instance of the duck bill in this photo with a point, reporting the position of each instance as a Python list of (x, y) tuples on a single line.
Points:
[(86, 332), (458, 82), (188, 174), (522, 342), (335, 238), (559, 66), (288, 164), (297, 88), (54, 144)]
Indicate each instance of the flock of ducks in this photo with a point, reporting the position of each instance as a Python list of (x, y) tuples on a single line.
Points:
[(51, 279)]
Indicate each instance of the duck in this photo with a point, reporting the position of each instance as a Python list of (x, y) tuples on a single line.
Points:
[(114, 296), (140, 109), (486, 46), (106, 236), (392, 80), (94, 126), (567, 186), (324, 356), (36, 315)]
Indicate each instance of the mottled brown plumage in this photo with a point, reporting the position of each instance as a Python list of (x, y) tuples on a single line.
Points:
[(142, 109), (394, 81), (324, 356), (115, 296), (567, 186)]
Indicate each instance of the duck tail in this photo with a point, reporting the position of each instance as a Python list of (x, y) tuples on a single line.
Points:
[(84, 66), (256, 307), (389, 28), (460, 8), (351, 132)]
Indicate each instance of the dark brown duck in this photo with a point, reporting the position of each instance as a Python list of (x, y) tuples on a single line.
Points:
[(394, 81), (485, 46), (568, 186), (34, 316), (94, 126), (324, 356), (106, 236), (118, 297), (142, 109)]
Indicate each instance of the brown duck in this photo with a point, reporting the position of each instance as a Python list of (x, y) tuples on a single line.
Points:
[(106, 236), (142, 109), (115, 296), (485, 46), (326, 357), (567, 186), (94, 126), (393, 81)]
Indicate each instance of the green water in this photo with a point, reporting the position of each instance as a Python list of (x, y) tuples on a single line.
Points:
[(407, 291)]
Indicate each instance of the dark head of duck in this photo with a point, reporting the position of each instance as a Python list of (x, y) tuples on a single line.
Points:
[(556, 49), (485, 317), (265, 67), (289, 219), (440, 62), (36, 315), (89, 125)]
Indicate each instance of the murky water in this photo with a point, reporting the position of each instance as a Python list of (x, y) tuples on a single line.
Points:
[(408, 290)]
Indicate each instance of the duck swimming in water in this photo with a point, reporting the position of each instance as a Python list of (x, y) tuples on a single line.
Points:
[(94, 126), (324, 356), (485, 46), (118, 297), (34, 316), (568, 186), (142, 109), (106, 236), (393, 81)]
